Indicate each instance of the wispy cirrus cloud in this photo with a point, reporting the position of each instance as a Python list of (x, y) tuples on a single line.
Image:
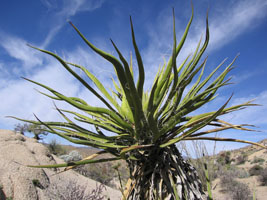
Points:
[(71, 7), (255, 115), (63, 10), (240, 18), (17, 49), (25, 58)]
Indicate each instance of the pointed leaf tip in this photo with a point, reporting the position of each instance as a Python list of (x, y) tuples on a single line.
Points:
[(70, 23), (31, 46)]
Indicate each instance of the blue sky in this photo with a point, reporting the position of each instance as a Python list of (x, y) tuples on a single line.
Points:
[(236, 26)]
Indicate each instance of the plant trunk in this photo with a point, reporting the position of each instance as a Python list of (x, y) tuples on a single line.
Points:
[(163, 174)]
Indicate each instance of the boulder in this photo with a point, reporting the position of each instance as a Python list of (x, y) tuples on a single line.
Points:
[(19, 182)]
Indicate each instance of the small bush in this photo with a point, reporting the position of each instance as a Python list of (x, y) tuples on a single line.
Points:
[(258, 160), (235, 189), (263, 177), (74, 191), (240, 191), (226, 178), (241, 159), (243, 173), (255, 170), (71, 157), (37, 130), (232, 171), (21, 128), (55, 148), (224, 158), (102, 173)]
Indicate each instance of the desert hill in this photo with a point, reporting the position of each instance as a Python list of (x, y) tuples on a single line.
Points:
[(247, 167)]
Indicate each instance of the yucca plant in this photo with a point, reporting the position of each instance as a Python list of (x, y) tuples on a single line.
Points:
[(146, 124)]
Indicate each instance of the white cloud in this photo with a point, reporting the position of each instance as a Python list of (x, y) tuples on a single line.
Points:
[(255, 115), (68, 8), (50, 4), (232, 22), (236, 79), (71, 7), (226, 25), (51, 34), (64, 10), (17, 48), (18, 97)]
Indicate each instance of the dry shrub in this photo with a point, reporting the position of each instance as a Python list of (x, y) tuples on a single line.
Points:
[(258, 160), (232, 171), (242, 173), (104, 173), (74, 191), (241, 159), (71, 157), (235, 189), (240, 191), (55, 148), (224, 158), (263, 177), (255, 170), (100, 172)]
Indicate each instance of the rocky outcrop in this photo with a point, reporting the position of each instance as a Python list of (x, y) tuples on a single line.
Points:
[(19, 182)]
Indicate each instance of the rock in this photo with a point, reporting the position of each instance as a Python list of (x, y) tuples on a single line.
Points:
[(24, 183)]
